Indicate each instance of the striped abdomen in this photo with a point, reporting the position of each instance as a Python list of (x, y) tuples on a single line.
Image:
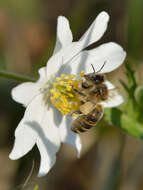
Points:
[(85, 122)]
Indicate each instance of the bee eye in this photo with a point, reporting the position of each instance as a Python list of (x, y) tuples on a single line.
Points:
[(98, 78)]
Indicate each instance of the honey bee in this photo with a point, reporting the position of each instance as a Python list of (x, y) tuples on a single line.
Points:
[(92, 91)]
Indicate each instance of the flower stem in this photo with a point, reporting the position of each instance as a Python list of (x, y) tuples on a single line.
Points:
[(17, 77)]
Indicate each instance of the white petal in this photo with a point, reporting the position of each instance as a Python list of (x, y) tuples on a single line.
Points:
[(67, 54), (27, 91), (48, 141), (24, 93), (97, 29), (61, 62), (109, 85), (37, 126), (43, 74), (64, 34), (111, 54), (56, 64), (53, 65), (68, 136), (25, 134), (115, 99), (47, 158)]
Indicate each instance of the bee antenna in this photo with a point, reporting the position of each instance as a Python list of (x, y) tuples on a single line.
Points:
[(101, 67), (93, 68)]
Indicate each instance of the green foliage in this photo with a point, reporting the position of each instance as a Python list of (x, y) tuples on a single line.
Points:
[(2, 60), (130, 117), (134, 16), (22, 9), (139, 95)]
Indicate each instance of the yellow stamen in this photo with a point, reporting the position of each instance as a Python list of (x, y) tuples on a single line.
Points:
[(63, 76), (70, 82), (61, 82), (58, 78), (74, 115), (69, 87), (82, 73), (72, 76), (52, 91), (63, 94), (71, 95)]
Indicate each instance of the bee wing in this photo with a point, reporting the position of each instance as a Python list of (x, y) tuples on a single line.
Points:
[(111, 55), (87, 107)]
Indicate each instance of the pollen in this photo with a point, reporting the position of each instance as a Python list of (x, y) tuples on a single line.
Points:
[(69, 87), (82, 73), (74, 115), (63, 95), (58, 78)]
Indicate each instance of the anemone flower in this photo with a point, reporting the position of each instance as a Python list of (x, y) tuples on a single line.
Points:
[(46, 121)]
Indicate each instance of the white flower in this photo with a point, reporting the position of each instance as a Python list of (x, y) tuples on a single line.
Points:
[(42, 124)]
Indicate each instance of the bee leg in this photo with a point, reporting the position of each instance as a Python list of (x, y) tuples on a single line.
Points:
[(80, 93), (78, 112)]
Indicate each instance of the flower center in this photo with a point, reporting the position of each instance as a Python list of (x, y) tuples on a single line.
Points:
[(63, 93)]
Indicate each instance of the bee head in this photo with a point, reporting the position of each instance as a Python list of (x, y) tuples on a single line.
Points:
[(94, 77)]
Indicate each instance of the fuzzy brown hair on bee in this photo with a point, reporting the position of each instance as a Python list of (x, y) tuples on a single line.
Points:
[(93, 88), (86, 121)]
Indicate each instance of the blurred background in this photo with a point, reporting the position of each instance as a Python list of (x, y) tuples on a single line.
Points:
[(111, 159)]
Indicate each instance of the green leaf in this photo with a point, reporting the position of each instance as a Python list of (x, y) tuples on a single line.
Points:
[(125, 86), (131, 106), (139, 95), (134, 17), (122, 120), (14, 76), (131, 85)]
